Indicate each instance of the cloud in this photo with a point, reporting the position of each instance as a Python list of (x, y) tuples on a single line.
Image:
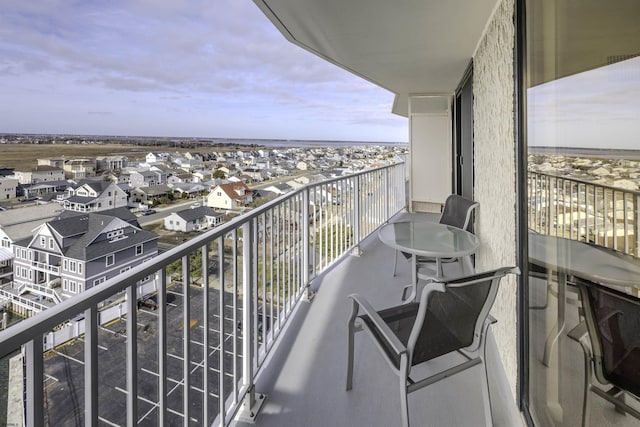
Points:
[(214, 55)]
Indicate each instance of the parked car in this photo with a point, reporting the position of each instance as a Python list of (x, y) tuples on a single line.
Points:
[(149, 212)]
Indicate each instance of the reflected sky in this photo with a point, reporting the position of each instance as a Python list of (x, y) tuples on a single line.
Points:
[(598, 108)]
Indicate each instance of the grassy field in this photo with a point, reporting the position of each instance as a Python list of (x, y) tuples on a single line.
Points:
[(23, 156)]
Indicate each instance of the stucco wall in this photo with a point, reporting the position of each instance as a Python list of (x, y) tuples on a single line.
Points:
[(495, 176)]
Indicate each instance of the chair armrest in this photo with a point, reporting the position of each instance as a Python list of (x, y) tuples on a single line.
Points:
[(360, 303)]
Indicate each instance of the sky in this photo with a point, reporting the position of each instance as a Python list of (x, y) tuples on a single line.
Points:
[(197, 68), (599, 108)]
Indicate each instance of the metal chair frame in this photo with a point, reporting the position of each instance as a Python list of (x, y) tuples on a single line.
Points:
[(472, 354)]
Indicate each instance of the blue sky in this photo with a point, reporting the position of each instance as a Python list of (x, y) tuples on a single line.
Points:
[(598, 108), (175, 68)]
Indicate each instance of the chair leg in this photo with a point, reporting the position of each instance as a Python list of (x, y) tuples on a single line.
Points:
[(404, 402), (395, 263), (486, 391), (586, 402)]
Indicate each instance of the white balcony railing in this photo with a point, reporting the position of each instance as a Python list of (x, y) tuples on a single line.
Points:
[(236, 287), (586, 211), (43, 266)]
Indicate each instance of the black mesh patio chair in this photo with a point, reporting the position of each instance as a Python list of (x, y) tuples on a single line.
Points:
[(458, 212), (451, 318), (610, 339)]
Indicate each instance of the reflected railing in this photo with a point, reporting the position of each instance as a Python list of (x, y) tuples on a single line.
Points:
[(586, 211), (193, 347)]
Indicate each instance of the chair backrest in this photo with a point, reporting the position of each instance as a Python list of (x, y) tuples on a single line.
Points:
[(452, 314), (613, 323), (458, 212)]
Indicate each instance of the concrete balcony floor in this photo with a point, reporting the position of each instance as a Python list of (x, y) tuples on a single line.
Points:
[(305, 379)]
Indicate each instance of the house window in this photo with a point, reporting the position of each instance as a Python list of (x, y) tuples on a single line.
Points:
[(43, 241), (65, 264), (138, 250), (5, 242), (111, 259), (124, 270), (50, 243), (72, 266), (100, 280), (80, 267)]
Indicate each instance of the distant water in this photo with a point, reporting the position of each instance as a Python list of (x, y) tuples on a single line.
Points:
[(599, 153), (301, 143)]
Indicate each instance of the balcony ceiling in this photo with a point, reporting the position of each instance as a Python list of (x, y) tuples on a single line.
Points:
[(404, 46)]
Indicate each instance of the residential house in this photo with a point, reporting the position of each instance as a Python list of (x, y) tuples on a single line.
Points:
[(8, 188), (39, 174), (57, 162), (17, 224), (111, 163), (279, 189), (202, 176), (151, 194), (193, 219), (79, 251), (256, 174), (182, 178), (147, 178), (93, 196), (42, 189), (191, 189), (230, 196), (155, 157), (79, 168)]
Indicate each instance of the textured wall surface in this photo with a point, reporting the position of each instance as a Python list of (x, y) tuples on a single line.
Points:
[(495, 171)]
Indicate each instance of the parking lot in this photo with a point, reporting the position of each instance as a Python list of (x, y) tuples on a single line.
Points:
[(64, 377)]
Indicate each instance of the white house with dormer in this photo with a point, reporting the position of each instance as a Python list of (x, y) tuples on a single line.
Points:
[(229, 196)]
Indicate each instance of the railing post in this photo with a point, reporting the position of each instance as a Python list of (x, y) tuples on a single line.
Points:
[(357, 216), (253, 402), (636, 217), (186, 338), (308, 293), (35, 373), (548, 196), (91, 366), (388, 195)]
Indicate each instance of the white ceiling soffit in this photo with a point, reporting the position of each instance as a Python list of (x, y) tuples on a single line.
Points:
[(404, 46)]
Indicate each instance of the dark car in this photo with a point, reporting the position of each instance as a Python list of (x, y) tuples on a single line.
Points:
[(149, 212)]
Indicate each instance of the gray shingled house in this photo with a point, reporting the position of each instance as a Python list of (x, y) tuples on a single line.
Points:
[(78, 251)]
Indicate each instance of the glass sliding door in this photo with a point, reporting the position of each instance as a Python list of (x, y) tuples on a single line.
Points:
[(583, 203)]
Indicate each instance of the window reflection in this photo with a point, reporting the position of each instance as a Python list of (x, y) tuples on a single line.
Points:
[(583, 134)]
